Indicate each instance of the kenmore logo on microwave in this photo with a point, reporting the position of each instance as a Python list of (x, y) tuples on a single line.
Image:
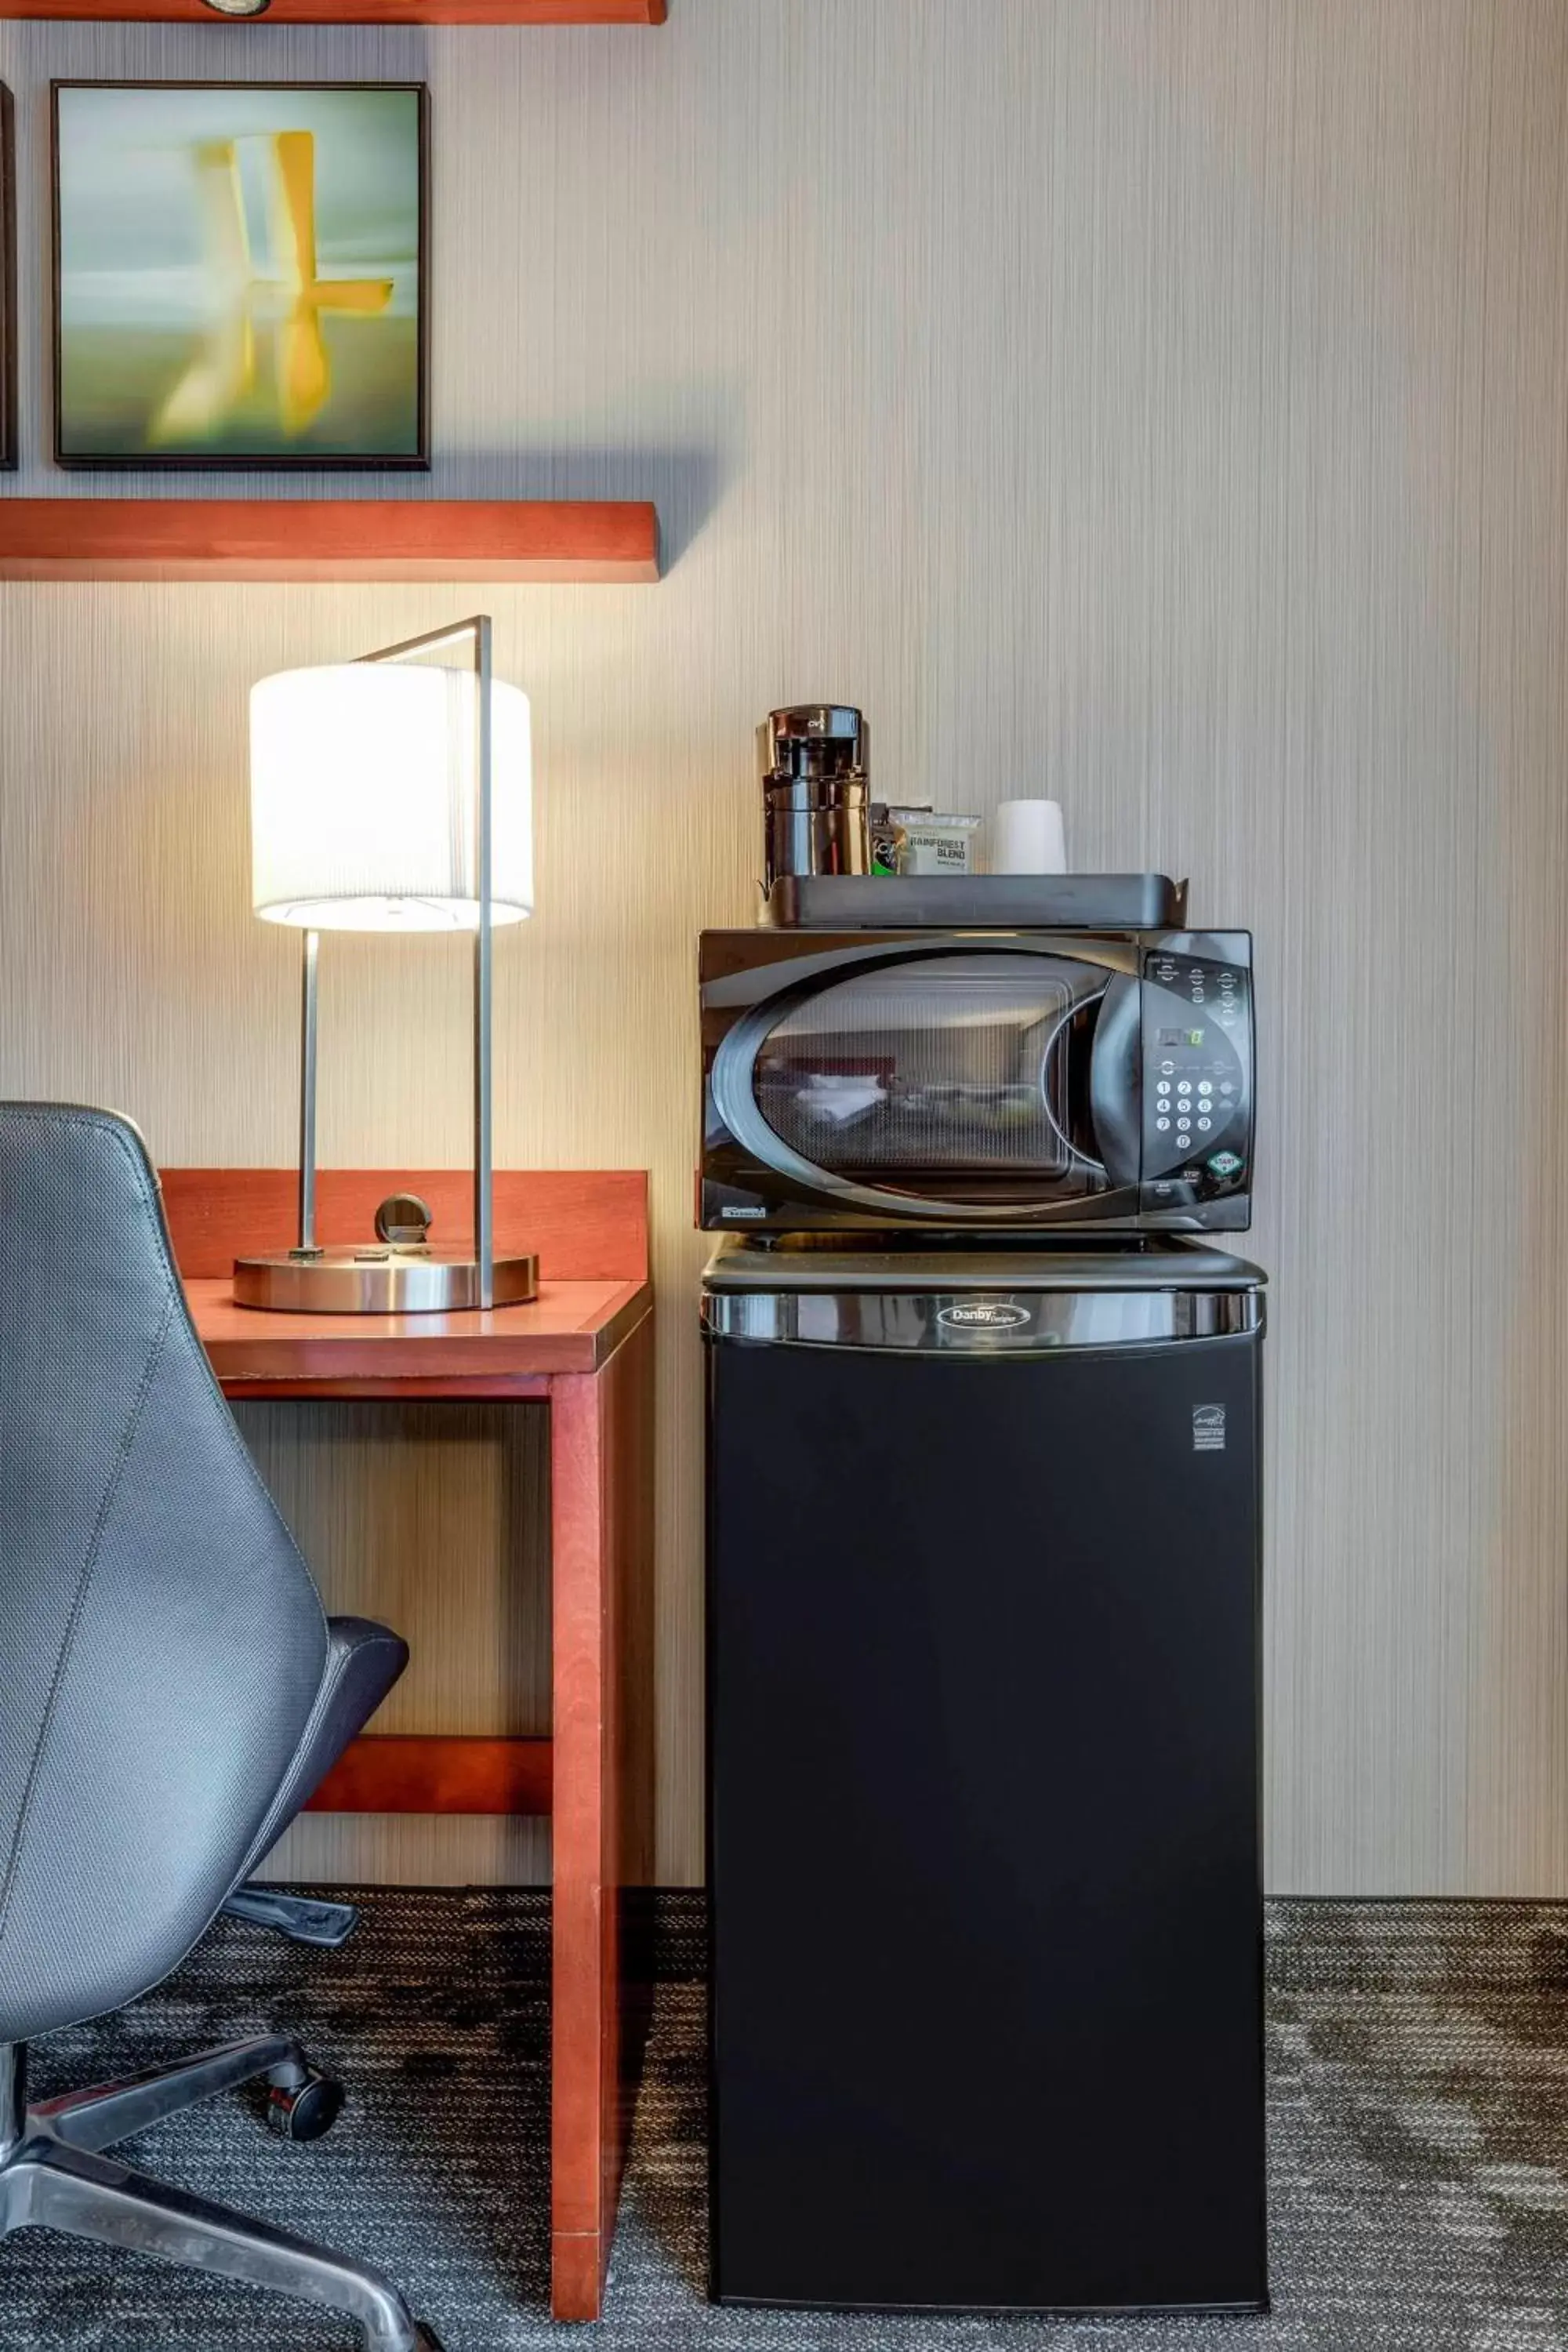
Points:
[(742, 1213), (982, 1314)]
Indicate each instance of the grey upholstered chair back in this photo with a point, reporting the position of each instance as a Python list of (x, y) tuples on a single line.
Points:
[(161, 1645)]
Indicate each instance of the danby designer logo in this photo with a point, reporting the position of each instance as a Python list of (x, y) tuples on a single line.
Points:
[(982, 1314), (1208, 1429)]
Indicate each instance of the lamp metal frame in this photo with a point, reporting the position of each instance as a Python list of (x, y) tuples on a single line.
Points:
[(417, 1278)]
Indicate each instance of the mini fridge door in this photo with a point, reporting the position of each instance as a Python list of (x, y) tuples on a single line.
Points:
[(984, 1645)]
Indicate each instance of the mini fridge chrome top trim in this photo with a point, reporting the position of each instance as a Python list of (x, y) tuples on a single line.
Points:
[(977, 1080), (993, 1299), (1000, 1323)]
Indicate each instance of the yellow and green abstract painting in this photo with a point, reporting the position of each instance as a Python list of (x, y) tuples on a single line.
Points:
[(238, 273)]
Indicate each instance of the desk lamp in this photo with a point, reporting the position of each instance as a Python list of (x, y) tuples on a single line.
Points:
[(392, 794)]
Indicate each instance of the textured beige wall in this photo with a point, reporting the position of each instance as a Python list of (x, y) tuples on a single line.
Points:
[(1163, 403)]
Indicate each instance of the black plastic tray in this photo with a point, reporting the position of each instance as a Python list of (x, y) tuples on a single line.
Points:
[(1011, 902)]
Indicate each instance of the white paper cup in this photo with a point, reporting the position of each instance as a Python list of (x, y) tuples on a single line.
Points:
[(1028, 837)]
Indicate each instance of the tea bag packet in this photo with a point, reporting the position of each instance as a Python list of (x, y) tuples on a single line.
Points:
[(935, 841)]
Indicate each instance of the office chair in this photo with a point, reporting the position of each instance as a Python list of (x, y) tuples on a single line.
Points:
[(170, 1693)]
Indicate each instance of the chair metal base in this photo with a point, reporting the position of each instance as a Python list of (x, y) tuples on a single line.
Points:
[(53, 2176), (297, 1916)]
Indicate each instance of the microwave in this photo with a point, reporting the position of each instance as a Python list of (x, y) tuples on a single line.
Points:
[(963, 1080)]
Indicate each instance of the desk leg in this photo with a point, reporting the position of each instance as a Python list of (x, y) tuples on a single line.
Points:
[(602, 1522)]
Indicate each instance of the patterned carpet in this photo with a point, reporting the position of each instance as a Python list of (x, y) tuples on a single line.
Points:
[(1419, 2139)]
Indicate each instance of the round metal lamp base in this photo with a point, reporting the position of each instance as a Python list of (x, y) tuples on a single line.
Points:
[(381, 1279)]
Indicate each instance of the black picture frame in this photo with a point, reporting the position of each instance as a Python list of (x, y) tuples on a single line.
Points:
[(268, 461), (8, 444)]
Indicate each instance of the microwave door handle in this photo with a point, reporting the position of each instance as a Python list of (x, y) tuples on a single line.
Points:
[(1115, 1080)]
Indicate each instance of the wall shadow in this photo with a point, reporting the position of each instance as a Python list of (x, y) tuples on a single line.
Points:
[(685, 481)]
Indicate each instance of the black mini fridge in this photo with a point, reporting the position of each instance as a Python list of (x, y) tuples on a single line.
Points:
[(983, 1778)]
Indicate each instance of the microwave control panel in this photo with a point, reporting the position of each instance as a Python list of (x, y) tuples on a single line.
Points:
[(1196, 1079)]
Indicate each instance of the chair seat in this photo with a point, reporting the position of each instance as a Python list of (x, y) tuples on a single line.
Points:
[(364, 1661)]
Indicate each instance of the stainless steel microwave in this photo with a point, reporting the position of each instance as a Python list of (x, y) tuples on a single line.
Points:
[(1016, 1080)]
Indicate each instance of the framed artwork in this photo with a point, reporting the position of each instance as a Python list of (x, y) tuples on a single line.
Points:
[(7, 284), (241, 274)]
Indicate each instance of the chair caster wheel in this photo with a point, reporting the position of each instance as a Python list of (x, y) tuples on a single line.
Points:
[(309, 2111)]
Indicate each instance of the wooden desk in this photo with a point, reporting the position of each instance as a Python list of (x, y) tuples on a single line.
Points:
[(584, 1348)]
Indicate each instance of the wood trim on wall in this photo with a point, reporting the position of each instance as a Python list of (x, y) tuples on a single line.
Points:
[(348, 11), (294, 539)]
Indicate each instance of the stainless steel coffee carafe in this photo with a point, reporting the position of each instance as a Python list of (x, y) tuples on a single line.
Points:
[(816, 794)]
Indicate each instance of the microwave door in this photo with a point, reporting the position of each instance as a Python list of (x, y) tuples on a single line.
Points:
[(1116, 1080), (947, 1084)]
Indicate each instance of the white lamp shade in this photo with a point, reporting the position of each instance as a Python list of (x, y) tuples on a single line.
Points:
[(363, 793)]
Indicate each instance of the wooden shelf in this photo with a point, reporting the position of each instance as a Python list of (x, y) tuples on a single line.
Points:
[(350, 12), (327, 539)]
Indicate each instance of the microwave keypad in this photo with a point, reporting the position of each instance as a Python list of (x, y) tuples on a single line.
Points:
[(1194, 1075)]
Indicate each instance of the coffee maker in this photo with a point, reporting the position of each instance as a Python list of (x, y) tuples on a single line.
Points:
[(812, 760)]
